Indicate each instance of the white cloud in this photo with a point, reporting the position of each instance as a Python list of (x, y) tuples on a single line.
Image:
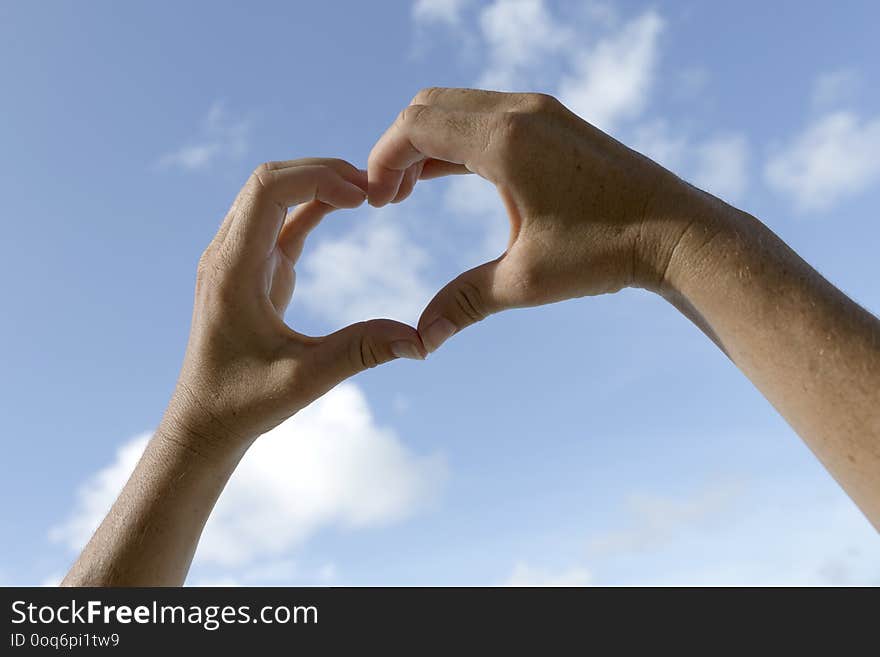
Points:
[(604, 69), (605, 80), (330, 465), (527, 44), (439, 11), (611, 80), (373, 270), (721, 166), (517, 34), (526, 575), (220, 136), (835, 88), (656, 519), (834, 158)]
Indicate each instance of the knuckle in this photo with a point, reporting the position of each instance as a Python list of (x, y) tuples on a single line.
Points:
[(426, 96), (336, 164), (262, 175), (410, 114), (364, 352), (539, 102), (469, 301), (204, 266)]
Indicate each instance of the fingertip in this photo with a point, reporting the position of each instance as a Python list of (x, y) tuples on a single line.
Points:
[(380, 193), (361, 180), (408, 182), (354, 196), (408, 349), (383, 183)]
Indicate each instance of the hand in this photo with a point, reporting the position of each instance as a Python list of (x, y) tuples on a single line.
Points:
[(587, 214), (245, 371)]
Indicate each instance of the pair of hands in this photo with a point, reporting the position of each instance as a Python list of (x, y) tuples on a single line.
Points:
[(587, 216)]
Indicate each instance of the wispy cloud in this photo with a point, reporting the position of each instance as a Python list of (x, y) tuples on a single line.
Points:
[(525, 574), (656, 519), (836, 88), (448, 12), (834, 158), (612, 79), (220, 136), (518, 35), (724, 534), (329, 465), (603, 67)]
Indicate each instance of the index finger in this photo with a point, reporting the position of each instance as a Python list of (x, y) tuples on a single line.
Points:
[(260, 210), (426, 132)]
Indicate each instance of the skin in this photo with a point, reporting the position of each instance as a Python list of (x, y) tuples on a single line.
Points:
[(588, 216)]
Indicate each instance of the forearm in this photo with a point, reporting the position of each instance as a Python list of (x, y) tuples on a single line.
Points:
[(150, 535), (812, 352)]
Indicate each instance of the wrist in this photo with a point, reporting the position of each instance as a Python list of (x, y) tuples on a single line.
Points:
[(679, 239), (190, 425)]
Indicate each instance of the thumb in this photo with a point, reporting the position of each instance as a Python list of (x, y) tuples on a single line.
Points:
[(364, 345), (468, 299)]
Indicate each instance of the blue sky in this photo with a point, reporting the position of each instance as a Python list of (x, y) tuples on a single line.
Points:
[(601, 441)]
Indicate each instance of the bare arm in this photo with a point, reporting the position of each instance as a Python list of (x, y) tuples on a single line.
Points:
[(812, 351), (590, 216), (245, 371), (150, 535)]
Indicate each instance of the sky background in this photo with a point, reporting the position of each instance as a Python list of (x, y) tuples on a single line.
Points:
[(597, 441)]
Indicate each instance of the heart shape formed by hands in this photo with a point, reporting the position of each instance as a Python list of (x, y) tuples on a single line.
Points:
[(577, 202), (550, 168)]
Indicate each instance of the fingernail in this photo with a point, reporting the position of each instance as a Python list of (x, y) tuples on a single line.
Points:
[(406, 349), (438, 332)]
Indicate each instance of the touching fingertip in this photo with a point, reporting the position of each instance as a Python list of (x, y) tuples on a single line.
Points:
[(438, 332), (407, 349)]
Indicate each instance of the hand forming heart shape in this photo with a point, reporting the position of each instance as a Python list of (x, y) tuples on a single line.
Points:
[(587, 216)]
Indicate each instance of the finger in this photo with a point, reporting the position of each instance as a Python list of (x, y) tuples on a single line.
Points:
[(470, 298), (281, 289), (438, 168), (422, 132), (345, 169), (410, 177), (260, 213), (364, 345), (300, 222), (473, 100)]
